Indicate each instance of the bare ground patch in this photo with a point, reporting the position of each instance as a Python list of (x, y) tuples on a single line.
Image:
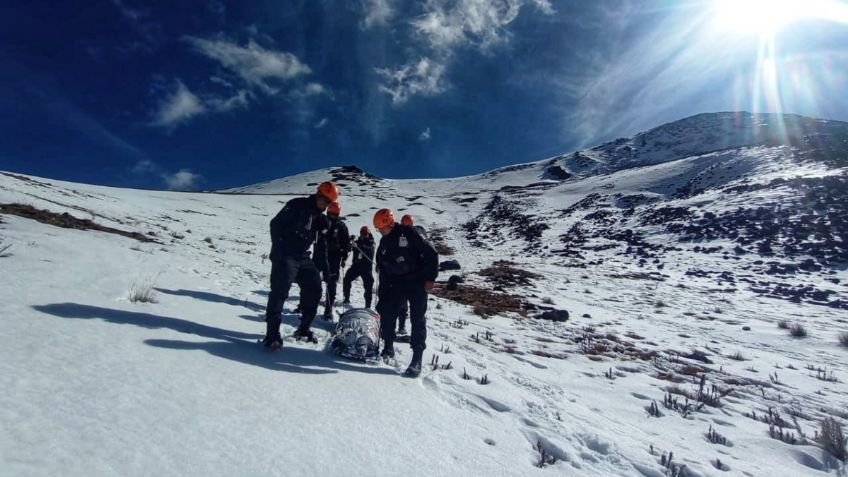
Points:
[(66, 220), (505, 273)]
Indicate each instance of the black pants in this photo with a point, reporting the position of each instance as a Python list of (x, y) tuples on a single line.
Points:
[(284, 272), (392, 296), (403, 314), (357, 271), (334, 260)]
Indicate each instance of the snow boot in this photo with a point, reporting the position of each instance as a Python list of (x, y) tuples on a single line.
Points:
[(272, 339), (328, 314), (414, 369), (307, 335), (388, 352)]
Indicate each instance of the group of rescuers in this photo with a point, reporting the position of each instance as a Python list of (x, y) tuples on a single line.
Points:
[(407, 265)]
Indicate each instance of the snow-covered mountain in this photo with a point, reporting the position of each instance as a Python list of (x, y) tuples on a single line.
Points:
[(680, 255)]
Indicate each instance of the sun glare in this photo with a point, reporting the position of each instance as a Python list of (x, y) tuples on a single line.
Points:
[(768, 17), (758, 17)]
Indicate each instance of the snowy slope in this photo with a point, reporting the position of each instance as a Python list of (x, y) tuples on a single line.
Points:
[(676, 264)]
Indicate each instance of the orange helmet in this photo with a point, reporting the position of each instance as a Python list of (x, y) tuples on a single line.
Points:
[(364, 230), (384, 218), (334, 208), (406, 220), (329, 190)]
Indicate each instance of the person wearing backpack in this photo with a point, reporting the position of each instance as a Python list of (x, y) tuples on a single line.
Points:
[(407, 266)]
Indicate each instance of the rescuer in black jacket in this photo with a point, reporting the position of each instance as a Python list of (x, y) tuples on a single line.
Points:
[(407, 266), (299, 224), (337, 246), (361, 265)]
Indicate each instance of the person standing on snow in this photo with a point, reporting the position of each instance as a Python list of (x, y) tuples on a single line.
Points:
[(298, 225), (360, 266), (403, 314), (337, 244), (408, 266)]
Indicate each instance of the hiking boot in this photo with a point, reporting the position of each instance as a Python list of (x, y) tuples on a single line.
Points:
[(346, 301), (388, 352), (401, 330), (272, 338), (305, 335), (274, 343), (328, 314), (414, 369)]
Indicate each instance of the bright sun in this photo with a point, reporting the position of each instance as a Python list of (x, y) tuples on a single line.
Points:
[(767, 17)]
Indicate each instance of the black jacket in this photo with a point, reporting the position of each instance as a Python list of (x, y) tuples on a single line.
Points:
[(403, 255), (295, 228), (365, 255), (337, 239)]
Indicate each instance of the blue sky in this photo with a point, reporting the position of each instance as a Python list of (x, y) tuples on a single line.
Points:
[(201, 95)]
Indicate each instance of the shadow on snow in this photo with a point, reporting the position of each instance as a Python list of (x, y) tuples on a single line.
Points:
[(233, 345), (214, 298)]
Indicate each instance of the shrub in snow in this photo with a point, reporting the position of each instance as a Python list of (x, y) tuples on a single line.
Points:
[(4, 247), (831, 438), (783, 324), (716, 438), (797, 330), (843, 339)]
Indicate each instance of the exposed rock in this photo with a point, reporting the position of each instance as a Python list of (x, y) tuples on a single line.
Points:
[(449, 265), (554, 315)]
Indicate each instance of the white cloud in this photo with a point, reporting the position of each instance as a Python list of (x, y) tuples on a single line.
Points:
[(425, 136), (128, 12), (309, 90), (314, 89), (144, 166), (179, 107), (237, 101), (448, 24), (321, 124), (181, 180), (424, 77), (544, 6), (256, 65), (377, 12)]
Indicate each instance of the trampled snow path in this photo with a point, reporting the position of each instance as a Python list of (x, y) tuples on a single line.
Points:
[(96, 385)]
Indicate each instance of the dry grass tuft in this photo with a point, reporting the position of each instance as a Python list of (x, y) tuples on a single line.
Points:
[(143, 293)]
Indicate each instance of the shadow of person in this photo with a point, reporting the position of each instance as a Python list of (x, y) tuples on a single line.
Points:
[(213, 297), (144, 320), (228, 344), (293, 359)]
